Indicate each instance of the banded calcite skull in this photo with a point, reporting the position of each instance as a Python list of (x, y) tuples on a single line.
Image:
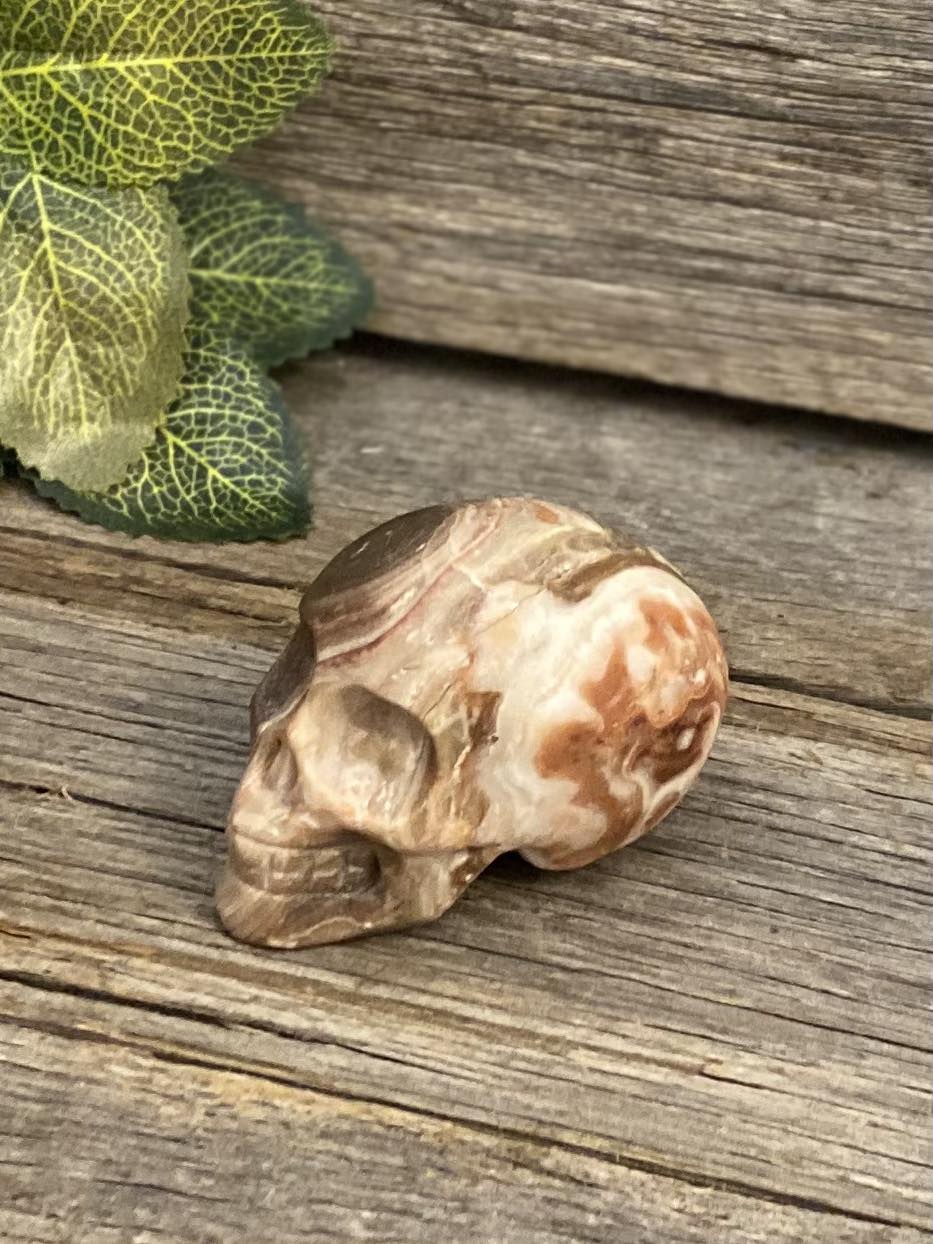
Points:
[(502, 675)]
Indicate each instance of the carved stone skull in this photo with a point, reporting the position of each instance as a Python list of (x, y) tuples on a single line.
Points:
[(502, 675)]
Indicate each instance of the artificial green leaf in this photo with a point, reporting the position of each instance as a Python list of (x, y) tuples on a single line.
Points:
[(225, 465), (127, 92), (263, 272), (93, 303)]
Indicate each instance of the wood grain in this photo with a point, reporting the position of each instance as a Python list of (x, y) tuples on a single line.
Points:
[(701, 192), (809, 541), (719, 1034), (354, 1168)]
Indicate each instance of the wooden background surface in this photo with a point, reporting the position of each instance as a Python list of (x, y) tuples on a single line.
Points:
[(727, 196), (717, 1036)]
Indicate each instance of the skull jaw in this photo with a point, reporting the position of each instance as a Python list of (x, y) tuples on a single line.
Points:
[(409, 890)]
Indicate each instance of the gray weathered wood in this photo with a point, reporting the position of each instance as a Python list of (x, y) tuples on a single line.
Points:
[(809, 540), (353, 1168), (705, 192), (719, 1034)]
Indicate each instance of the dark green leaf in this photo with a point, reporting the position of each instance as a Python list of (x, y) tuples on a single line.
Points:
[(93, 303), (226, 464), (127, 92), (265, 273)]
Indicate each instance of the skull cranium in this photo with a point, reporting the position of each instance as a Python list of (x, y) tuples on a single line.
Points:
[(495, 676)]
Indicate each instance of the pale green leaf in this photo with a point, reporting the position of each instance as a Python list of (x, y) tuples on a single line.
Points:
[(93, 303), (127, 92), (225, 465), (265, 273)]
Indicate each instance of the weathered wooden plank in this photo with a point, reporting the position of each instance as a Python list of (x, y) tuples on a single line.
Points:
[(157, 721), (702, 192), (285, 1163), (809, 540), (754, 974), (721, 1032)]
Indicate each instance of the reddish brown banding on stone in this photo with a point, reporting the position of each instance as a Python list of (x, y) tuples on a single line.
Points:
[(663, 748), (585, 753), (629, 739), (658, 751), (544, 513), (409, 733), (658, 614)]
